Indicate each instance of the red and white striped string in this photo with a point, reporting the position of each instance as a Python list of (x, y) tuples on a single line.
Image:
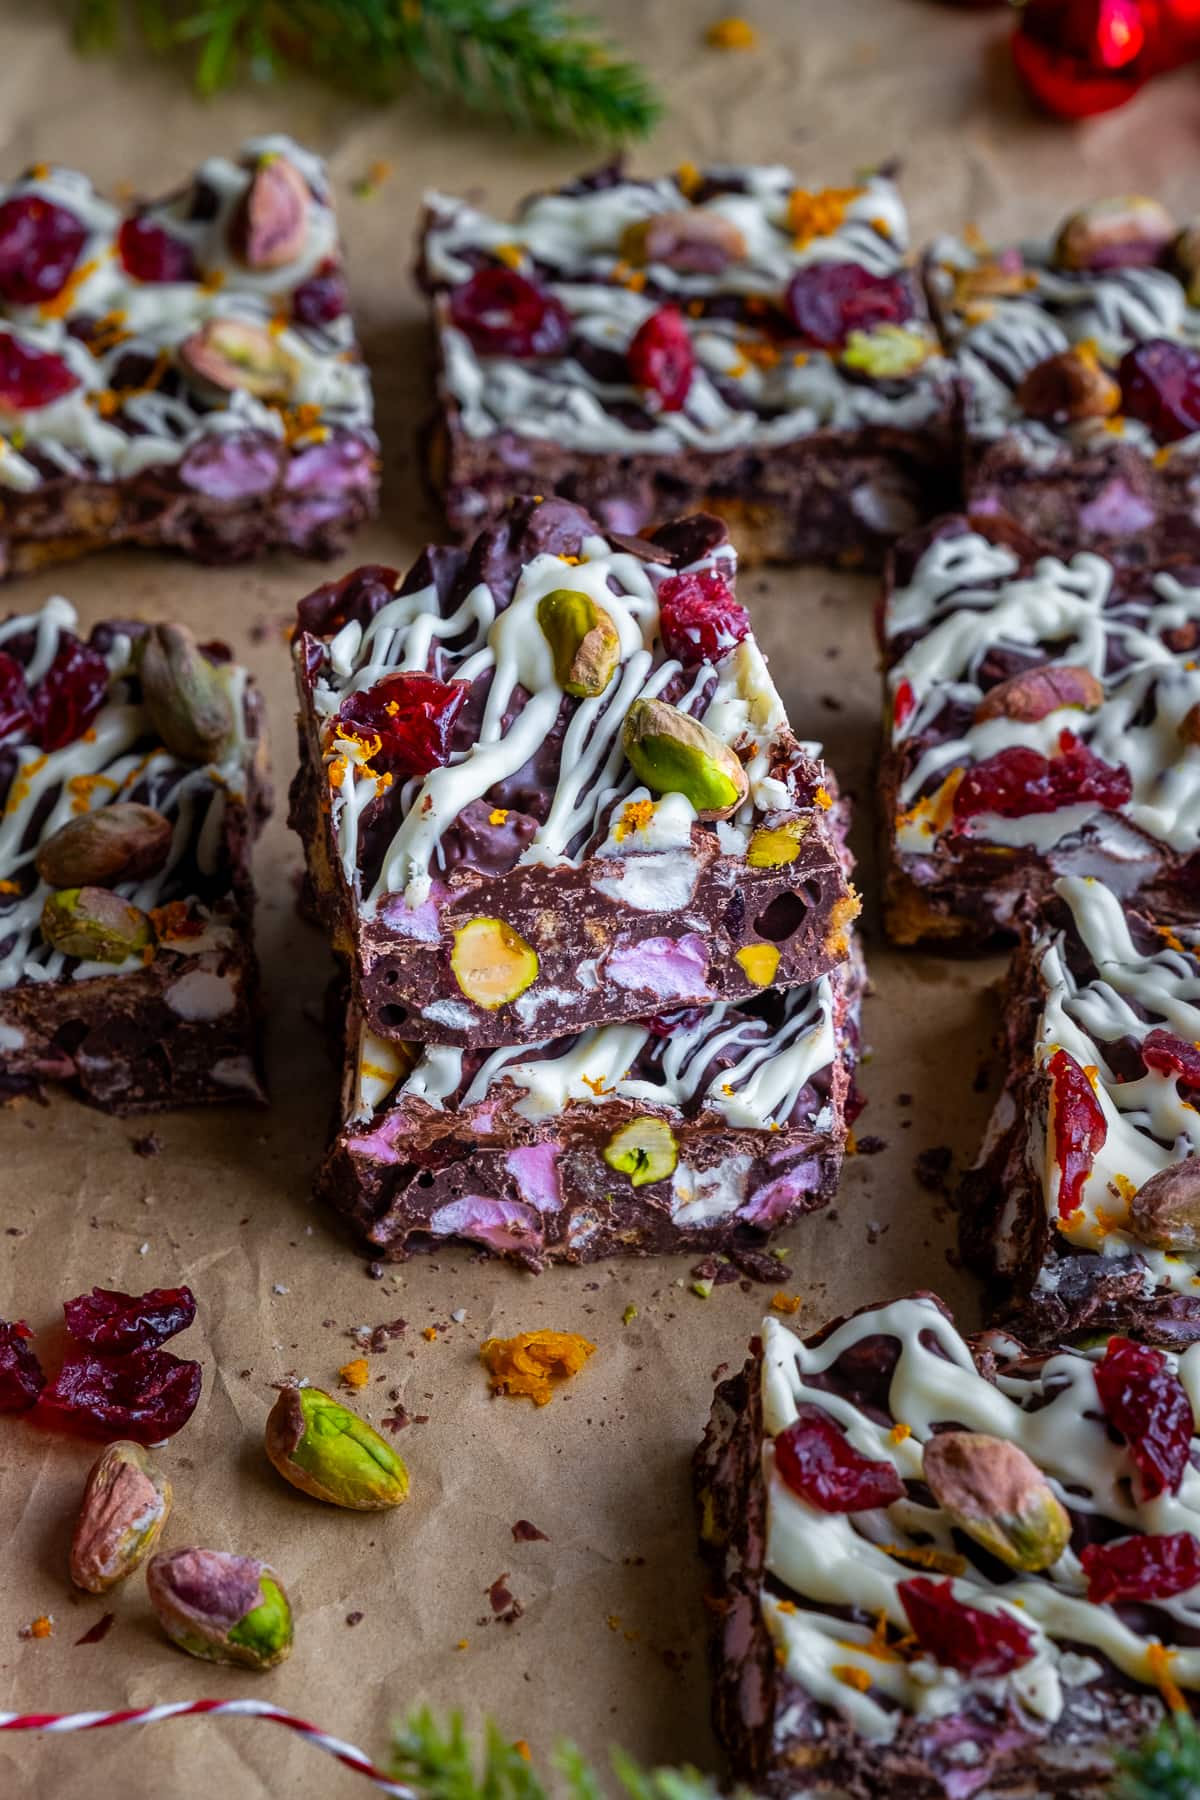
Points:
[(348, 1754)]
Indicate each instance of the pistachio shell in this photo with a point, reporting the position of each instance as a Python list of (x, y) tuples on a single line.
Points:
[(696, 242), (184, 695), (232, 353), (124, 1508), (675, 754), (492, 963), (774, 846), (270, 224), (645, 1150), (1165, 1211), (1128, 228), (327, 1451), (585, 642), (887, 352), (222, 1608), (123, 842), (1035, 693), (1069, 386), (95, 925), (998, 1496)]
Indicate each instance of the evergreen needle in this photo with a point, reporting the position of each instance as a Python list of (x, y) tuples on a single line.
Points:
[(535, 62)]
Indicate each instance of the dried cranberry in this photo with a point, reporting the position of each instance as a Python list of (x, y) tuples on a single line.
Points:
[(506, 314), (39, 245), (1141, 1568), (16, 713), (114, 1323), (661, 358), (412, 715), (699, 619), (1160, 385), (962, 1637), (1080, 1129), (31, 378), (70, 693), (826, 301), (148, 1395), (1019, 781), (151, 254), (322, 298), (818, 1462), (904, 703), (1146, 1402), (21, 1378), (1172, 1055)]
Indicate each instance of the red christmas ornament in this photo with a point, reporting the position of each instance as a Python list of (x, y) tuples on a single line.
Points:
[(1081, 57)]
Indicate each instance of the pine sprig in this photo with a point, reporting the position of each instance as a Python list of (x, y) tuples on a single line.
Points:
[(535, 62), (1165, 1766), (440, 1762)]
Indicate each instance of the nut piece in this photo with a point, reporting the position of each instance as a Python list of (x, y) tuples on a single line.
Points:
[(675, 754), (583, 638), (96, 925), (124, 842), (645, 1150), (774, 846), (887, 352), (270, 226), (698, 242), (229, 354), (1165, 1211), (998, 1496), (224, 1608), (1035, 693), (1068, 386), (758, 962), (492, 963), (1127, 230), (187, 701), (124, 1508), (327, 1451), (1185, 260)]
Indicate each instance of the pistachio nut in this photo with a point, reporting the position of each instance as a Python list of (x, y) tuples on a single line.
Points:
[(584, 641), (184, 695), (1165, 1211), (696, 242), (774, 846), (887, 352), (1125, 230), (1034, 694), (124, 1508), (221, 1607), (228, 354), (675, 754), (645, 1150), (492, 963), (96, 925), (123, 842), (998, 1496), (270, 224), (1069, 386), (327, 1451), (1185, 260), (758, 962)]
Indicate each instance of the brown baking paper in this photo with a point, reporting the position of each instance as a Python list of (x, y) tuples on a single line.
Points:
[(609, 1644)]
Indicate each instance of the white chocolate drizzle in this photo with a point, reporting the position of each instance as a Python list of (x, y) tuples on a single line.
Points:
[(965, 599), (839, 1560), (81, 433), (575, 242)]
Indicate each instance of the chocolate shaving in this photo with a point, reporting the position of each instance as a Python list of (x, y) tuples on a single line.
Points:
[(95, 1633), (525, 1532)]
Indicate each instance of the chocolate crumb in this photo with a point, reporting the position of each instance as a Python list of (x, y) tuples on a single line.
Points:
[(354, 1618), (870, 1146), (524, 1532), (931, 1168), (374, 1271), (150, 1145), (98, 1631), (983, 1077), (504, 1603)]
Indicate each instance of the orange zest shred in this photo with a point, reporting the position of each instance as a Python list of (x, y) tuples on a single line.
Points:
[(900, 1431), (175, 920), (819, 213), (355, 1374), (785, 1303), (823, 798), (522, 1749), (10, 887), (731, 34), (1159, 1660), (635, 816), (430, 1334), (497, 815), (534, 1363), (853, 1676), (596, 1083), (924, 1556), (42, 1627)]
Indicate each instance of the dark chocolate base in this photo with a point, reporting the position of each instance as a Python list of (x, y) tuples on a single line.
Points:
[(787, 1746), (230, 499)]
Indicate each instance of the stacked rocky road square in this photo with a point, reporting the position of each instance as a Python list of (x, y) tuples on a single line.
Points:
[(596, 987)]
